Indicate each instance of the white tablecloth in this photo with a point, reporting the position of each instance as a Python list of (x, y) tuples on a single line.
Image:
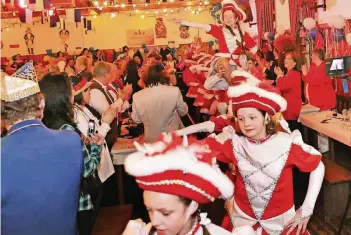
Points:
[(122, 148), (307, 108)]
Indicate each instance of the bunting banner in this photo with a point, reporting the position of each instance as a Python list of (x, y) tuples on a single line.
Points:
[(46, 4), (25, 15), (89, 25)]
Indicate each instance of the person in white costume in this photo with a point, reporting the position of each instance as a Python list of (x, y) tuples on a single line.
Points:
[(177, 175), (263, 158)]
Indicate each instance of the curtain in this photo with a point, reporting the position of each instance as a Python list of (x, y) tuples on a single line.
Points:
[(294, 18), (299, 10), (265, 16)]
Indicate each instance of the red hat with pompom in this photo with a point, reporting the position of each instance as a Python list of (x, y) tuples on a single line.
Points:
[(179, 166), (249, 91), (231, 5)]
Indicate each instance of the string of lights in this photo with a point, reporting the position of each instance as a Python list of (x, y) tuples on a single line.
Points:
[(157, 9)]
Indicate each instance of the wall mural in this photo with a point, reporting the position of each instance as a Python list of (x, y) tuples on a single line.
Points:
[(215, 11), (160, 28), (29, 39), (64, 36), (184, 31)]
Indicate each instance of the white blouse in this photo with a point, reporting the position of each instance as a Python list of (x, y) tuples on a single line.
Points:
[(82, 117)]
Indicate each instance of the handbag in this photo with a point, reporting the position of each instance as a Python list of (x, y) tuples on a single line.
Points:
[(92, 184)]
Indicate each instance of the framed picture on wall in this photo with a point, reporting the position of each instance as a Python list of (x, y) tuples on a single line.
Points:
[(138, 37)]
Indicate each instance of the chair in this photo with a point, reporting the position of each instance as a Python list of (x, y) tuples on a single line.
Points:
[(336, 188), (344, 217), (342, 102)]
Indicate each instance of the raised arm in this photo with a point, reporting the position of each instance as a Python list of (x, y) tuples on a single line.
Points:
[(205, 27), (208, 126)]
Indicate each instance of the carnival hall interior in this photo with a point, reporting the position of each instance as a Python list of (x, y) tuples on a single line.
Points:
[(175, 117)]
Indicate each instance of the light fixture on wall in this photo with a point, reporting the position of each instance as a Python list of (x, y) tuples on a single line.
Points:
[(105, 3), (137, 11), (113, 15), (142, 16), (94, 16), (123, 5)]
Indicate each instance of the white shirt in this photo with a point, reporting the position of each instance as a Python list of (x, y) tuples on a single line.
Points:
[(99, 102), (215, 83), (82, 117)]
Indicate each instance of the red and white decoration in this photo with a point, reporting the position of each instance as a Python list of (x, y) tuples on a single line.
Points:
[(255, 93), (178, 166)]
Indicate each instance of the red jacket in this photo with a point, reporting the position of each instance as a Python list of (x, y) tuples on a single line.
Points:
[(290, 87), (319, 88)]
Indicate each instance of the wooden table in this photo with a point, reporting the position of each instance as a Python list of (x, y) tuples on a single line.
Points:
[(120, 150), (335, 129)]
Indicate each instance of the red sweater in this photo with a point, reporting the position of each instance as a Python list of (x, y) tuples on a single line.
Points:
[(319, 88), (290, 87)]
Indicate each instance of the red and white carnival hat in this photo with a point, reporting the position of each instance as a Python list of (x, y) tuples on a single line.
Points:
[(251, 92), (232, 6), (178, 166)]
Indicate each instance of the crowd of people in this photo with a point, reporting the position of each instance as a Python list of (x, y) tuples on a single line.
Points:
[(58, 129)]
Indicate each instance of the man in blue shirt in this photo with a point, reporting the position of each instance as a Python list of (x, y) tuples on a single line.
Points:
[(40, 168)]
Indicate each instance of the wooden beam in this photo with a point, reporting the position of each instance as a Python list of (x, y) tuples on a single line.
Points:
[(119, 8)]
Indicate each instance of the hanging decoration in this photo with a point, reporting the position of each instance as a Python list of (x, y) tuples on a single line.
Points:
[(282, 2), (339, 35), (64, 36), (184, 31), (313, 35), (215, 12), (29, 39), (160, 28)]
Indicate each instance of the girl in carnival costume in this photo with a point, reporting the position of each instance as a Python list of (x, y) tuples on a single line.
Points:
[(263, 158), (231, 37), (177, 175)]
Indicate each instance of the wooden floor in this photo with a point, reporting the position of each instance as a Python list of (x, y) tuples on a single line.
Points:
[(112, 220)]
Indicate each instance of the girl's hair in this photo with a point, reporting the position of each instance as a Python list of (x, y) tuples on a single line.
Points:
[(297, 59), (186, 202), (271, 126), (58, 109), (156, 75), (132, 69), (320, 53)]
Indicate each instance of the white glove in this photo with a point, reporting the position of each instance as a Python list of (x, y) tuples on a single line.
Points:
[(137, 227), (314, 186), (201, 127)]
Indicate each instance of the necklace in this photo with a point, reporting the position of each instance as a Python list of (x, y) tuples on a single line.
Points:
[(10, 133)]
